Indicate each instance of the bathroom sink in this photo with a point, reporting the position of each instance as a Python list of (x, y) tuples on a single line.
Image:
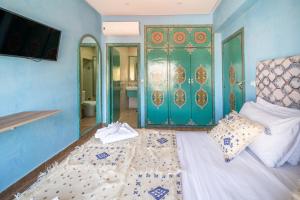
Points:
[(131, 88), (131, 91)]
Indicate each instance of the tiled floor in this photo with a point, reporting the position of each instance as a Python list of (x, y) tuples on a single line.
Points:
[(129, 116), (87, 122)]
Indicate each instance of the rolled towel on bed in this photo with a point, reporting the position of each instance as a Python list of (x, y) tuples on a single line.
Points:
[(106, 131), (116, 132)]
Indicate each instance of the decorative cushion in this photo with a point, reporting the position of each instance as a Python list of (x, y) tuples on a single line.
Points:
[(234, 133)]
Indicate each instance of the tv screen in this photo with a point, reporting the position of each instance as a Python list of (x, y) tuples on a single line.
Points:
[(23, 37)]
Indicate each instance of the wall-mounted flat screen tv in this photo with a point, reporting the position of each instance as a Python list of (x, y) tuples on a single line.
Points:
[(20, 36)]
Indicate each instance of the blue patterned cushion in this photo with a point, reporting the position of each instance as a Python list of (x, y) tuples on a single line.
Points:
[(234, 133)]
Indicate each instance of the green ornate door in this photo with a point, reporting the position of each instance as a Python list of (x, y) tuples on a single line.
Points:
[(201, 90), (157, 86), (179, 88), (115, 86), (233, 73)]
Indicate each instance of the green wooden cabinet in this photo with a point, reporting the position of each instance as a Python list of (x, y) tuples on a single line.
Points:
[(157, 86), (190, 86), (202, 91), (179, 86), (179, 77)]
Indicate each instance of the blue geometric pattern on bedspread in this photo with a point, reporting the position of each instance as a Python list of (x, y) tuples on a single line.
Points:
[(162, 140), (102, 155), (226, 141), (158, 193)]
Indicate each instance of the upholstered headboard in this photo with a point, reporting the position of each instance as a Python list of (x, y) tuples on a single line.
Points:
[(278, 81)]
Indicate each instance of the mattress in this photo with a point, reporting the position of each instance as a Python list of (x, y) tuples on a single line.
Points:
[(206, 176)]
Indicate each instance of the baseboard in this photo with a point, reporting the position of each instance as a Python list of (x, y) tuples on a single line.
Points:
[(30, 178), (208, 128)]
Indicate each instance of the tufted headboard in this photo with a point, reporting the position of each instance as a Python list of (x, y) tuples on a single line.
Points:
[(278, 81)]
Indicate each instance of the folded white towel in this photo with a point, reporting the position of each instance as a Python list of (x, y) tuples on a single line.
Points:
[(115, 132), (106, 131), (130, 128)]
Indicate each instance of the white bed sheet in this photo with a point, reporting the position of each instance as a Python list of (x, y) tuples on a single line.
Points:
[(205, 175)]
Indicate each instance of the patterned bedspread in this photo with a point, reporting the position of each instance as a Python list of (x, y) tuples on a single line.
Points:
[(146, 167)]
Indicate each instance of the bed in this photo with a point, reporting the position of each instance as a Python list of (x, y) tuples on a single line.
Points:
[(164, 164), (205, 175)]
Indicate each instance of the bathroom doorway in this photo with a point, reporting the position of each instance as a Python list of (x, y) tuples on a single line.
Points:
[(89, 73), (123, 63)]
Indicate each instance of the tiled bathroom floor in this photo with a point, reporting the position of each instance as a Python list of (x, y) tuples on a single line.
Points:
[(129, 116), (87, 122)]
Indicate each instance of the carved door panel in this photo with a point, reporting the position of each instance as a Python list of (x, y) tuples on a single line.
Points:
[(233, 73), (179, 87), (200, 37), (157, 86), (179, 37), (157, 37), (201, 86)]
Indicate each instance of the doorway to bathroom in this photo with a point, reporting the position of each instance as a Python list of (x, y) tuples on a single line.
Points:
[(89, 81), (123, 65)]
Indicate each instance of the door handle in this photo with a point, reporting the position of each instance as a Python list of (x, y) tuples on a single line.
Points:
[(241, 84), (189, 81)]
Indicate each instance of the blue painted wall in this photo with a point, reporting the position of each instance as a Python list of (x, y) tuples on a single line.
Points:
[(271, 30), (28, 85), (144, 20), (225, 10), (218, 77)]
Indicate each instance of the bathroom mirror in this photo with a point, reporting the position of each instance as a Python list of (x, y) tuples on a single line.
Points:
[(89, 64), (132, 72)]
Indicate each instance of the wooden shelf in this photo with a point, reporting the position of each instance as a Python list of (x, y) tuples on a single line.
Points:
[(11, 122)]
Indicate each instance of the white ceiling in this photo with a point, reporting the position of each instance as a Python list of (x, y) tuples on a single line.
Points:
[(153, 7)]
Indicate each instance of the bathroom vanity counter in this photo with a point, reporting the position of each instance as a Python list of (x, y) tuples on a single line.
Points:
[(13, 121), (132, 94)]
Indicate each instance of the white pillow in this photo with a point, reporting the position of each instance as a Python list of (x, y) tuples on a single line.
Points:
[(257, 113), (275, 149), (294, 159), (283, 111)]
